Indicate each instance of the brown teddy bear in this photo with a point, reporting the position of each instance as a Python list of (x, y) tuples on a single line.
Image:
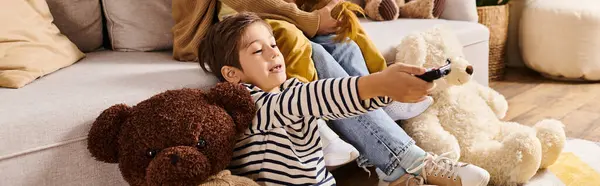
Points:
[(178, 137)]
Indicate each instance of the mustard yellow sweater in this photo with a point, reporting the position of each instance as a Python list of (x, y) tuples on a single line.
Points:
[(194, 17)]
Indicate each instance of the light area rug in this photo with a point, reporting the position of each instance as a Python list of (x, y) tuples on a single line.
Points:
[(578, 165)]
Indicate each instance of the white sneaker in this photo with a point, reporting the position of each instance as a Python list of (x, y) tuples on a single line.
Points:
[(336, 151), (339, 153), (443, 171), (403, 111)]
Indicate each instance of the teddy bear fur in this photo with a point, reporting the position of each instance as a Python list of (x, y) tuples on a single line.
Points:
[(465, 118), (177, 137)]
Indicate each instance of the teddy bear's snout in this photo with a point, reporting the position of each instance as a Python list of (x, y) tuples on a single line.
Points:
[(174, 164), (469, 70), (174, 159)]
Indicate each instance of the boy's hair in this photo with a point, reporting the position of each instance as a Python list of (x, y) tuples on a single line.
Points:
[(220, 45)]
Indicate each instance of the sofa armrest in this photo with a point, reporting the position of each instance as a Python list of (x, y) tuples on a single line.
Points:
[(460, 10)]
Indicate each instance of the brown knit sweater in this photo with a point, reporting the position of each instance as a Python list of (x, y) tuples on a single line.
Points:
[(194, 17)]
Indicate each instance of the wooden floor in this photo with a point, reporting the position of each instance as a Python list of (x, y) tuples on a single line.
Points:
[(531, 98)]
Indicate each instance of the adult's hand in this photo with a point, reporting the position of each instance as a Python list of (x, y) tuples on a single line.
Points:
[(327, 24)]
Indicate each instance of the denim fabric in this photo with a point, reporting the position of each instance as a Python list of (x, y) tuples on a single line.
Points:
[(378, 138)]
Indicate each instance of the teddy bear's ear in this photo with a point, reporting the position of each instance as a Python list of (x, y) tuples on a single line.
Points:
[(236, 99), (442, 44), (104, 134), (412, 50), (452, 45)]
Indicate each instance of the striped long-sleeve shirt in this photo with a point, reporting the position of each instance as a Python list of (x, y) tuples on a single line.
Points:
[(283, 146)]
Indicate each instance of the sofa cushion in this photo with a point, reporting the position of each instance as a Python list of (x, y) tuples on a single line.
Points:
[(139, 25), (80, 21), (388, 34), (460, 10), (31, 46), (61, 107)]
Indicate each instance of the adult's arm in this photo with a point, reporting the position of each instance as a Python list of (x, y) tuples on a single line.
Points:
[(308, 22)]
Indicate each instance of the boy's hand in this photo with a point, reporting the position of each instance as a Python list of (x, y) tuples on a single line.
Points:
[(398, 82), (327, 24), (401, 85)]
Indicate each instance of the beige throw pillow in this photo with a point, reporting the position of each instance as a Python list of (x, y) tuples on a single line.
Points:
[(460, 10), (417, 9), (135, 25), (31, 46)]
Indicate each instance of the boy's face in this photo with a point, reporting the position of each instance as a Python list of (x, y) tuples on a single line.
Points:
[(262, 62)]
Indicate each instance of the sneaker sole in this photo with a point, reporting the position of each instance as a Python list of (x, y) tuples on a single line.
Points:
[(485, 181)]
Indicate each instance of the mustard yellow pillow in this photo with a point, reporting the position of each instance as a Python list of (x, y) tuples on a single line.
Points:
[(31, 46)]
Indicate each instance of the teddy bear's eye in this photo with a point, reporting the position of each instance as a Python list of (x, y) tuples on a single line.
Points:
[(201, 143), (151, 153)]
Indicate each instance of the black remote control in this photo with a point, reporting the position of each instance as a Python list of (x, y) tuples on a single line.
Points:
[(436, 73)]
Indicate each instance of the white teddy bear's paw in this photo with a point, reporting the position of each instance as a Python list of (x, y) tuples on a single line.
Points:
[(552, 137), (501, 106)]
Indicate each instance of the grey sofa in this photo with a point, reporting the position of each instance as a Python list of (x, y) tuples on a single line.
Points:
[(44, 124)]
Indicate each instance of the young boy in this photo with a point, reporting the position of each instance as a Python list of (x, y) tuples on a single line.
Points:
[(282, 146), (298, 53)]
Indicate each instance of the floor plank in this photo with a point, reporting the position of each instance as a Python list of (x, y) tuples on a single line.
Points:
[(525, 102), (579, 122), (593, 105), (557, 103), (593, 131), (576, 104), (350, 175)]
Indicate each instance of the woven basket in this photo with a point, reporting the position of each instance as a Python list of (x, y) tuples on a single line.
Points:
[(496, 19)]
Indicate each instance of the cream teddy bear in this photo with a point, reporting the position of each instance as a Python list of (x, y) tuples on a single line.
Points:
[(465, 118)]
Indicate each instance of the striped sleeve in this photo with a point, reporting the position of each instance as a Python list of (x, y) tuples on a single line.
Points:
[(327, 98)]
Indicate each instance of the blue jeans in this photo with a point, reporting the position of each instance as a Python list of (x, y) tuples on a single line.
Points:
[(378, 138)]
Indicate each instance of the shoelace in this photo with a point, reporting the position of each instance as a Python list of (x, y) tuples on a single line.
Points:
[(417, 179), (440, 164)]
